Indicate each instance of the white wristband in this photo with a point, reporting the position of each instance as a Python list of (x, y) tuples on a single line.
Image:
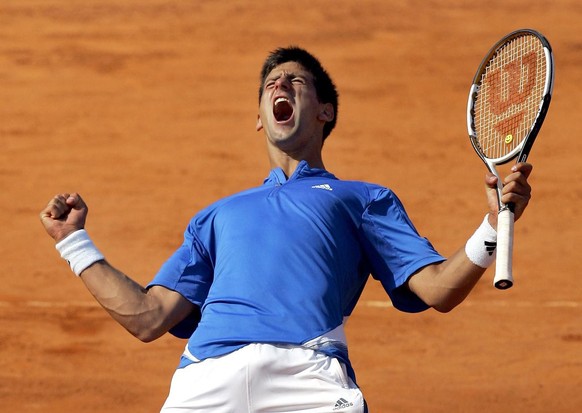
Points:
[(480, 248), (79, 251)]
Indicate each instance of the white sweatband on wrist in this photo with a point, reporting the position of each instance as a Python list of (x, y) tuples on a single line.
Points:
[(79, 251), (480, 248)]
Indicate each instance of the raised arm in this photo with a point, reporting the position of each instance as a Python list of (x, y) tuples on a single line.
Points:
[(444, 286), (145, 313)]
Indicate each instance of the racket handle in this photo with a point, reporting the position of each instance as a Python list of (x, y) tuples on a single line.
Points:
[(503, 265)]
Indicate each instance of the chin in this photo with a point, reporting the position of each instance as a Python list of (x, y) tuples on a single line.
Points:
[(283, 132)]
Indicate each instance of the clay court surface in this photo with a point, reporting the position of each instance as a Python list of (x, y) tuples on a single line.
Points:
[(147, 108)]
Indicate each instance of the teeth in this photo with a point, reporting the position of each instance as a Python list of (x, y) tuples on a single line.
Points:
[(282, 109)]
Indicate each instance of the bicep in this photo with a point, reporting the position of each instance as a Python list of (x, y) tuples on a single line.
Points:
[(173, 307), (423, 281)]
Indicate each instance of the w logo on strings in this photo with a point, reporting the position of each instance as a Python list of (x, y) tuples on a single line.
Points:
[(508, 92)]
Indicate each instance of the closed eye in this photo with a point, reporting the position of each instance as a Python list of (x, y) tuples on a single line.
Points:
[(290, 77), (298, 80)]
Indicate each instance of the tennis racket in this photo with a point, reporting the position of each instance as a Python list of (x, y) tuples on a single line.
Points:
[(508, 102)]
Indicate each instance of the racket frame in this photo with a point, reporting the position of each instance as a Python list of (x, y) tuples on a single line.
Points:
[(503, 272)]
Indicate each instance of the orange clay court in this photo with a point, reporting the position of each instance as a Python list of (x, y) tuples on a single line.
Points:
[(147, 108)]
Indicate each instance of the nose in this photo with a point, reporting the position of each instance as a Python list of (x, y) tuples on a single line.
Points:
[(283, 83)]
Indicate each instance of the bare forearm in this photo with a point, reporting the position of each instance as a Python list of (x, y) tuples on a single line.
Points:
[(446, 285), (125, 300), (147, 314)]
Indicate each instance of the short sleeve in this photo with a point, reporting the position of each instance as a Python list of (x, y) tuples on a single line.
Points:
[(189, 272), (394, 249)]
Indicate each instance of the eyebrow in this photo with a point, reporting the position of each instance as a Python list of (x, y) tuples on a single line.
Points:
[(288, 75)]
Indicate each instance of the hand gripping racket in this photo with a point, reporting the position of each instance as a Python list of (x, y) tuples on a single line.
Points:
[(507, 105)]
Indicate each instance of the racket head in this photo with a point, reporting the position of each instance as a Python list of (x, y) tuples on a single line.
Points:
[(510, 96)]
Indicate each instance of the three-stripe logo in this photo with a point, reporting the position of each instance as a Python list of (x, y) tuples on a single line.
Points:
[(342, 404), (490, 247)]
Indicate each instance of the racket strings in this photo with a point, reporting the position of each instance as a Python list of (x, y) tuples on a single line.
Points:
[(509, 97)]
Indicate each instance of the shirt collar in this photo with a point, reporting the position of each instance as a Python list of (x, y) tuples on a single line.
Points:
[(303, 170)]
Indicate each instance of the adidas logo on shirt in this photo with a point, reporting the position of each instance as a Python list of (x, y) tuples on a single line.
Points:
[(323, 186), (342, 404)]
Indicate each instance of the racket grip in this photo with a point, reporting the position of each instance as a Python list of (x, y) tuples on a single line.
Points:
[(503, 265)]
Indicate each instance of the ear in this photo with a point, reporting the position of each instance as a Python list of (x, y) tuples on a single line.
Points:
[(259, 123), (326, 113)]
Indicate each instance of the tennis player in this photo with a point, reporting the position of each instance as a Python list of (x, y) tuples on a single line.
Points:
[(265, 279)]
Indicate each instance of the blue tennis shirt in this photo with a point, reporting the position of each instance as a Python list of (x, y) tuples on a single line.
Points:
[(286, 262)]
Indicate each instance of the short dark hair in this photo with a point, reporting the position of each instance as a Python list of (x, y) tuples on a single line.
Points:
[(324, 86)]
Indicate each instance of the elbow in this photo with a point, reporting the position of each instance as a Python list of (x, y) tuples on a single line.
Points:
[(444, 308), (446, 305), (144, 337), (445, 301), (145, 334)]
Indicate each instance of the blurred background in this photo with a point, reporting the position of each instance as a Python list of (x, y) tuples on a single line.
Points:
[(148, 109)]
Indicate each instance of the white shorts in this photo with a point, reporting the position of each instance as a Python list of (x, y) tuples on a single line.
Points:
[(265, 378)]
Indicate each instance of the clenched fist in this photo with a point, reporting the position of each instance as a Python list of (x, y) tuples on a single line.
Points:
[(64, 214)]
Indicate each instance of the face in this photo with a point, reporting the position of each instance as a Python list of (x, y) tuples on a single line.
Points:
[(289, 111)]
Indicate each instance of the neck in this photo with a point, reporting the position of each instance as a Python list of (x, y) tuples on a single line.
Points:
[(288, 162)]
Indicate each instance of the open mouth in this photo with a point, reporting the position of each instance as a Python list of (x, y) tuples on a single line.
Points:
[(282, 109)]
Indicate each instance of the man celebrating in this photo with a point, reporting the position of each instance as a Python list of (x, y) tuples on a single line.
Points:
[(266, 278)]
